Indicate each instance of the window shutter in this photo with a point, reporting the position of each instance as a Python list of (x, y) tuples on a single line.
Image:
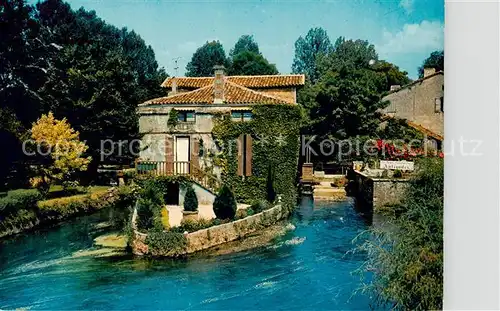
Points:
[(195, 150), (169, 155), (437, 105), (248, 156), (240, 155)]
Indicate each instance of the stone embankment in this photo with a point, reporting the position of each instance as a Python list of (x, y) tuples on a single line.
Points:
[(216, 235)]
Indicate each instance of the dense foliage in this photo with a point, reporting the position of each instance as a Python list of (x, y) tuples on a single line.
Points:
[(190, 200), (225, 204), (19, 199), (205, 58), (307, 51), (249, 63), (275, 141), (245, 43), (244, 59), (345, 99), (435, 60), (408, 260), (271, 193), (74, 64)]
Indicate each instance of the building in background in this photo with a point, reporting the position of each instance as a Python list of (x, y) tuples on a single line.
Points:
[(421, 103)]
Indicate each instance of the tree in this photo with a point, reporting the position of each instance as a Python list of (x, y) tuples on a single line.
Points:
[(245, 43), (57, 139), (435, 60), (23, 69), (343, 105), (353, 54), (271, 192), (190, 201), (390, 75), (205, 58), (225, 204), (99, 75), (307, 51), (250, 64), (408, 259)]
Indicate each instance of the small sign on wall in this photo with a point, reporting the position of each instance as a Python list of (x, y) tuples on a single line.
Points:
[(397, 165)]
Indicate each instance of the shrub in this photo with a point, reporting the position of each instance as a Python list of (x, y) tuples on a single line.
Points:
[(259, 205), (66, 206), (397, 174), (190, 201), (164, 218), (250, 211), (409, 259), (241, 213), (145, 214), (20, 199), (166, 243), (190, 225), (225, 204)]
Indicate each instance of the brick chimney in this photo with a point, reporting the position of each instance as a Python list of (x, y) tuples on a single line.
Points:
[(429, 71), (395, 87), (174, 87), (219, 84)]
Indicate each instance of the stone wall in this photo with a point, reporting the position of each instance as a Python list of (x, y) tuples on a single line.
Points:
[(374, 193), (417, 102), (216, 235)]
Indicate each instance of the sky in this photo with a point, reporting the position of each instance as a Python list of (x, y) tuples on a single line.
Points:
[(404, 32)]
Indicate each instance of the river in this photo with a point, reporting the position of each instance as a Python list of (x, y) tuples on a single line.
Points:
[(38, 270)]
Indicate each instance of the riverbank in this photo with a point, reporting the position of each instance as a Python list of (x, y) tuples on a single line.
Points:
[(48, 213)]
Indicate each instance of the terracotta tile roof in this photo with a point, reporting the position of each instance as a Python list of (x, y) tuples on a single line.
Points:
[(233, 94), (419, 128), (246, 81)]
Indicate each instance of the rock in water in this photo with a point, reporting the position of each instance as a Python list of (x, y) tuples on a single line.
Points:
[(111, 240), (295, 241), (290, 227)]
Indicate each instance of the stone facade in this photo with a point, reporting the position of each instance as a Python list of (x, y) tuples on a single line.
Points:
[(421, 102), (204, 100)]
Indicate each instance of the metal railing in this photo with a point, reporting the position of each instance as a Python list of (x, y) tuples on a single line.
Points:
[(182, 168)]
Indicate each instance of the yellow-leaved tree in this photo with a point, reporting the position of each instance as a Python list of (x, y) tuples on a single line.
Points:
[(61, 149)]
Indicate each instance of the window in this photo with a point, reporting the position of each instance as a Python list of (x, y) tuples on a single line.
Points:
[(186, 116), (439, 104), (241, 116)]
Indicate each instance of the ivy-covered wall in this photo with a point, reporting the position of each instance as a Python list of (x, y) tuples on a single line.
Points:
[(275, 142)]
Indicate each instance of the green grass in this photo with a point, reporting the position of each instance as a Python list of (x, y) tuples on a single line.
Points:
[(57, 191)]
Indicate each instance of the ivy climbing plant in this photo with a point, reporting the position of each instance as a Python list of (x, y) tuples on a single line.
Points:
[(275, 131)]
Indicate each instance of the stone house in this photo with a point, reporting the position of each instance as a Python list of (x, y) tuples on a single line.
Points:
[(174, 143), (421, 103)]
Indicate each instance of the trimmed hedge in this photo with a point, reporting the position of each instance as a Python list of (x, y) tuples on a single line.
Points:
[(225, 204), (20, 199), (190, 201), (84, 203)]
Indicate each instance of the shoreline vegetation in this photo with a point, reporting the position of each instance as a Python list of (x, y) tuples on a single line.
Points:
[(24, 209)]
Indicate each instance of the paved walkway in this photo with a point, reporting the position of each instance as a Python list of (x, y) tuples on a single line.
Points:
[(204, 211)]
